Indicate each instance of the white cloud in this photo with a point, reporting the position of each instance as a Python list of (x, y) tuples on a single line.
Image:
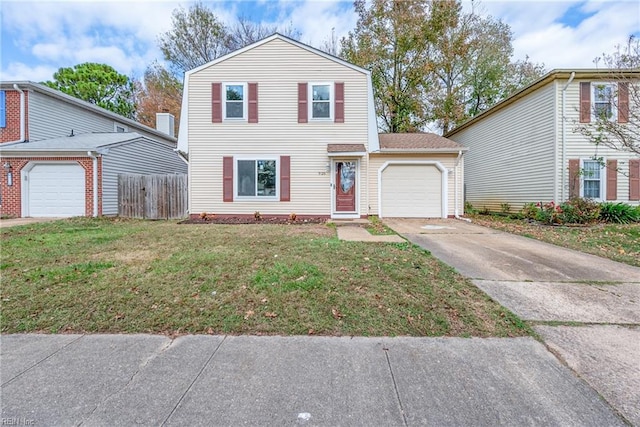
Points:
[(20, 71)]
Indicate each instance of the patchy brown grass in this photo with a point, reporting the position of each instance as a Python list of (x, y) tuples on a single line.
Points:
[(101, 275), (618, 242)]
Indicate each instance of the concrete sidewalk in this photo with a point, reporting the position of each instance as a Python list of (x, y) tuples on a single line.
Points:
[(544, 283), (14, 222), (104, 380)]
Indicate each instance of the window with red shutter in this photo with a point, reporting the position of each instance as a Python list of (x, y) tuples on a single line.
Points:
[(285, 178), (253, 102), (302, 103), (216, 102), (227, 179), (634, 179), (339, 103), (612, 180)]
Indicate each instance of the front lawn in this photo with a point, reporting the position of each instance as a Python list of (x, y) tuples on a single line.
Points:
[(110, 275), (619, 242)]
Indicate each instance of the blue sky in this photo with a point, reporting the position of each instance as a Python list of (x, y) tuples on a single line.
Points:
[(39, 37)]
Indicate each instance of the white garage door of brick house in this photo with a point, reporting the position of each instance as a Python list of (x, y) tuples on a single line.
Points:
[(411, 191), (55, 190)]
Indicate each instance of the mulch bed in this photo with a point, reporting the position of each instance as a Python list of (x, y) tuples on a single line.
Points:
[(250, 220)]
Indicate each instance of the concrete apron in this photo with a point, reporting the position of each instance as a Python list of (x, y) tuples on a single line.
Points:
[(545, 284)]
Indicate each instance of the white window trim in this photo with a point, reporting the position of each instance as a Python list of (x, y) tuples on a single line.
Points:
[(256, 157), (614, 103), (117, 125), (245, 102), (603, 179), (332, 101)]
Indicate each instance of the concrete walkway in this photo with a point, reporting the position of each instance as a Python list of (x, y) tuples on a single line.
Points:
[(547, 284), (109, 380)]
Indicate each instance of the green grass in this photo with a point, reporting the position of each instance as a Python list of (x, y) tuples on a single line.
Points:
[(377, 228), (618, 242), (127, 276)]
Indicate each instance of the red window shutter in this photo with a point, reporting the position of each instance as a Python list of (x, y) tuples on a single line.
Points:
[(585, 102), (285, 178), (216, 102), (623, 102), (339, 103), (253, 102), (227, 179), (612, 180), (574, 178), (634, 179), (303, 108)]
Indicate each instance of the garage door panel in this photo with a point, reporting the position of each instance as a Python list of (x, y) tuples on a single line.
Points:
[(56, 190), (413, 191)]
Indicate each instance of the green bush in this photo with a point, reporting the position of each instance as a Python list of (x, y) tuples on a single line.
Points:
[(573, 211), (620, 213), (578, 210)]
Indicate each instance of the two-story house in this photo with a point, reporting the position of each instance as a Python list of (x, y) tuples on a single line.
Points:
[(61, 156), (528, 148), (279, 127)]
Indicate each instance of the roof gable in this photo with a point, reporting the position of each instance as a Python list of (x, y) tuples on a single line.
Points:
[(68, 99), (557, 74), (277, 36)]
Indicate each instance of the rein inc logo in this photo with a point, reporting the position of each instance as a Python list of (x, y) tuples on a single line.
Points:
[(18, 422)]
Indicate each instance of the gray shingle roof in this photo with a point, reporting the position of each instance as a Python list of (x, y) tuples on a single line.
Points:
[(390, 142), (83, 142)]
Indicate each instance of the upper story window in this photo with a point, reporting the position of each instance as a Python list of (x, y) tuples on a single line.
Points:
[(604, 100), (604, 95), (3, 109), (321, 106), (235, 101)]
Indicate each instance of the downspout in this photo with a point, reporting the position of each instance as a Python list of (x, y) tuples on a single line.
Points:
[(23, 122), (455, 188), (564, 144), (95, 182)]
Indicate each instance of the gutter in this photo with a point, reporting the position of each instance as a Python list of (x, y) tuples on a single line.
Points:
[(564, 144), (23, 123), (456, 213), (93, 155)]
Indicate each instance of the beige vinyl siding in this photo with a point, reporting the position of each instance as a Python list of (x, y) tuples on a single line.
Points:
[(579, 147), (277, 67), (511, 157), (142, 157), (376, 161)]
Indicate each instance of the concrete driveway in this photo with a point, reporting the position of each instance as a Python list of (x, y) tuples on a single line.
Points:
[(597, 299)]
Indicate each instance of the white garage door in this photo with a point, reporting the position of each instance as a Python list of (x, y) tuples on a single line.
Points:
[(411, 191), (56, 190)]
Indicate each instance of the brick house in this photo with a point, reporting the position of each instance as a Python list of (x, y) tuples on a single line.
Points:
[(60, 156)]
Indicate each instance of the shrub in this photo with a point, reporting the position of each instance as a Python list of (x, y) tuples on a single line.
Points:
[(505, 207), (573, 211), (578, 210), (620, 213), (468, 208)]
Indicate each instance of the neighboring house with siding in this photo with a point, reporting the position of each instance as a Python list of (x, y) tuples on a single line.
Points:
[(527, 148), (60, 156), (279, 127)]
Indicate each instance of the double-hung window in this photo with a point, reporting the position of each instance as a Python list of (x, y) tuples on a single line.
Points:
[(257, 178), (592, 180), (235, 101), (321, 105), (604, 100)]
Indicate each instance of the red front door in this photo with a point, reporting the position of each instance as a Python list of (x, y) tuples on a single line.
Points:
[(346, 186)]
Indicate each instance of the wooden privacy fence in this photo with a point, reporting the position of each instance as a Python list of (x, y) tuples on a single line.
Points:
[(152, 196)]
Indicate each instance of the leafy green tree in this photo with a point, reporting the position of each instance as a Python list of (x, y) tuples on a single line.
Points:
[(197, 36), (392, 39), (623, 67), (431, 62), (99, 84), (158, 92)]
